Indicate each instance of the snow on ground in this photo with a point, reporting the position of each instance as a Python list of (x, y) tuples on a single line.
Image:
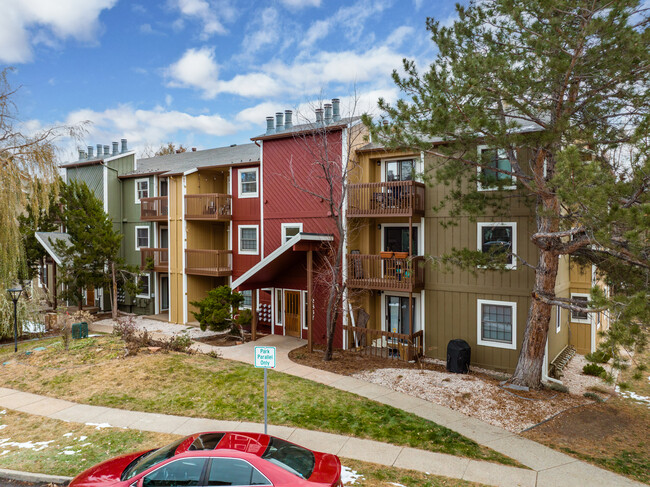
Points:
[(634, 396), (27, 445), (155, 326), (99, 426), (349, 476)]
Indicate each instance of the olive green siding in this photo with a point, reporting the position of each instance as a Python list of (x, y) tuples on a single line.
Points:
[(93, 176)]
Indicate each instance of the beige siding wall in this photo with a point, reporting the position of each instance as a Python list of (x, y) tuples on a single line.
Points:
[(176, 237), (557, 340)]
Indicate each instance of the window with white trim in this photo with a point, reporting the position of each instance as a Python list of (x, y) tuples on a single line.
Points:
[(143, 286), (496, 323), (141, 237), (248, 183), (582, 300), (497, 238), (489, 176), (141, 190), (248, 239), (248, 299), (290, 230), (278, 306), (558, 319)]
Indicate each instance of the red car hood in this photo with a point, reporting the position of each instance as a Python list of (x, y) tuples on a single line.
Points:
[(327, 468), (106, 472)]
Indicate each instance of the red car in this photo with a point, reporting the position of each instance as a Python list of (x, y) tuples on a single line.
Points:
[(214, 458)]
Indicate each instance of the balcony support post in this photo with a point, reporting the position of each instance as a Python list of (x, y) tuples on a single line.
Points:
[(310, 284), (254, 313)]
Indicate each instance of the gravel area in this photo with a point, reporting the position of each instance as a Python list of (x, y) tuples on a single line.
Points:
[(480, 395), (155, 326)]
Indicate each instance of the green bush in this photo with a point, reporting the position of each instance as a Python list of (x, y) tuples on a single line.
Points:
[(594, 369), (216, 310), (599, 357)]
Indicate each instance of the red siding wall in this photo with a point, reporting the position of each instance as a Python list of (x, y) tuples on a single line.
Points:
[(245, 211)]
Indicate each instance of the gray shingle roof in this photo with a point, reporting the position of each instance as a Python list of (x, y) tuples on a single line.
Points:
[(49, 239), (307, 127), (186, 161)]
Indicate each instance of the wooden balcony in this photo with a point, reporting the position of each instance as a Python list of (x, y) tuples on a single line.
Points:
[(210, 207), (385, 344), (395, 198), (208, 262), (154, 209), (392, 274), (154, 259)]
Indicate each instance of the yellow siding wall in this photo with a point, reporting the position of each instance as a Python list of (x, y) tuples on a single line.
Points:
[(176, 297)]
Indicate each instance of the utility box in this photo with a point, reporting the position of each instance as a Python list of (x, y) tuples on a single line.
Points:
[(458, 356), (80, 330)]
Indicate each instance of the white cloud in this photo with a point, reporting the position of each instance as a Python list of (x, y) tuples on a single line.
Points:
[(265, 28), (399, 35), (317, 31), (198, 69), (168, 99), (25, 22), (205, 12), (301, 3)]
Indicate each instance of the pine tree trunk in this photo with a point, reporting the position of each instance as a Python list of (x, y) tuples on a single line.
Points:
[(114, 303)]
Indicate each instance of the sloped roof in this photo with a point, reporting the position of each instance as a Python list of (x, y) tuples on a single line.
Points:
[(186, 161), (49, 239), (308, 127)]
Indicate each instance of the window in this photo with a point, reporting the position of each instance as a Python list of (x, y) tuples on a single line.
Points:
[(488, 178), (497, 324), (580, 300), (186, 471), (558, 319), (499, 238), (233, 471), (293, 458), (400, 170), (143, 286), (248, 299), (141, 190), (290, 230), (248, 239), (141, 237), (248, 183), (278, 306), (397, 315), (396, 238)]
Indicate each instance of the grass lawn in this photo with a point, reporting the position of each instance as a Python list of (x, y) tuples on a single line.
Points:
[(34, 444), (94, 372)]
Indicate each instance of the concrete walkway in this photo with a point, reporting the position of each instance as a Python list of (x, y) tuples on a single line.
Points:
[(548, 467)]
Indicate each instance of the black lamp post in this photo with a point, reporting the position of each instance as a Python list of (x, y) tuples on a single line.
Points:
[(15, 294)]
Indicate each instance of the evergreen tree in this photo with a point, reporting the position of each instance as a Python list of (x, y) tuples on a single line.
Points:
[(561, 86)]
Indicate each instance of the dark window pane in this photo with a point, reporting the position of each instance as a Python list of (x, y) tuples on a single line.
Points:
[(497, 159), (496, 323), (580, 301), (498, 240), (177, 473), (233, 471), (206, 442), (293, 458)]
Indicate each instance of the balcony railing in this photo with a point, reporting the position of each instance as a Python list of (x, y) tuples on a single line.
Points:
[(208, 262), (392, 274), (213, 206), (154, 259), (378, 343), (154, 209), (395, 198)]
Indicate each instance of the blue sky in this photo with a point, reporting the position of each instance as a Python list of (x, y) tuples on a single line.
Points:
[(203, 73)]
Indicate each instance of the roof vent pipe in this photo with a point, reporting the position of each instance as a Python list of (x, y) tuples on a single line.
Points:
[(124, 149), (279, 124), (336, 110), (328, 113), (269, 125), (99, 150), (319, 116), (107, 151), (90, 152), (287, 119), (82, 155), (115, 148)]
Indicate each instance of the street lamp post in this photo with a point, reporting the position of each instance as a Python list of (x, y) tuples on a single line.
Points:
[(15, 295)]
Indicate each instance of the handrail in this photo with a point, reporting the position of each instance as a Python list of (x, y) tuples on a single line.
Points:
[(208, 206), (205, 262), (390, 274), (396, 198), (154, 209), (386, 344)]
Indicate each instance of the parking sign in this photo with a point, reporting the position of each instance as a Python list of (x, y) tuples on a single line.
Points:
[(265, 357)]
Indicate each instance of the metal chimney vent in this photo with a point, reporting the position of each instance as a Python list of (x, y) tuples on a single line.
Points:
[(279, 124), (328, 113), (124, 148), (269, 126), (99, 150), (336, 110), (319, 116), (82, 155), (90, 152), (287, 119), (115, 148)]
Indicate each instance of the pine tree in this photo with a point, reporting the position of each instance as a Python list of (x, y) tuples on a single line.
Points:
[(565, 82)]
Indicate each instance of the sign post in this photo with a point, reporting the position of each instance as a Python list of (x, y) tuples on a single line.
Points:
[(265, 358)]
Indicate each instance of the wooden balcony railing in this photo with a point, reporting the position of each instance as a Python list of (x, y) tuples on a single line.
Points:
[(208, 262), (378, 343), (373, 272), (395, 198), (213, 206), (154, 209), (154, 259)]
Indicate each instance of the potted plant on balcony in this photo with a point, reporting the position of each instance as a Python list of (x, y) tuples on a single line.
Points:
[(385, 254), (401, 255)]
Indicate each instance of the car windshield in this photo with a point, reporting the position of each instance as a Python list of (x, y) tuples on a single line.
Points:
[(293, 458), (150, 459)]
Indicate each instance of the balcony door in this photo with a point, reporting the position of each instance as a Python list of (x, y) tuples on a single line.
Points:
[(292, 313), (164, 238), (396, 239), (399, 170), (162, 188), (164, 293), (397, 314)]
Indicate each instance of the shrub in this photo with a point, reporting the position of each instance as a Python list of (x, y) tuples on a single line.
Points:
[(178, 343), (599, 357), (557, 387), (595, 397), (215, 310), (594, 369)]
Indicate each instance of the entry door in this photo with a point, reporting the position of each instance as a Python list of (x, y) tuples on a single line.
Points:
[(164, 293), (397, 315), (292, 313)]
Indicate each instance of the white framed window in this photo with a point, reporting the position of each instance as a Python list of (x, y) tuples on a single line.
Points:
[(248, 299), (498, 237), (496, 323), (290, 230), (249, 239), (141, 190), (558, 319), (143, 286), (279, 293), (489, 179), (305, 310), (248, 187), (581, 299), (141, 237)]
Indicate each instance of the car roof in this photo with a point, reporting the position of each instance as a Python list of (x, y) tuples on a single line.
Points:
[(253, 443)]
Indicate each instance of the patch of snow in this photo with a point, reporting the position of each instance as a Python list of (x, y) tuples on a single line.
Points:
[(2, 426), (4, 452), (86, 444), (634, 396), (396, 484), (4, 411), (68, 452), (349, 476), (99, 426), (32, 327), (27, 445), (82, 438), (67, 434)]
